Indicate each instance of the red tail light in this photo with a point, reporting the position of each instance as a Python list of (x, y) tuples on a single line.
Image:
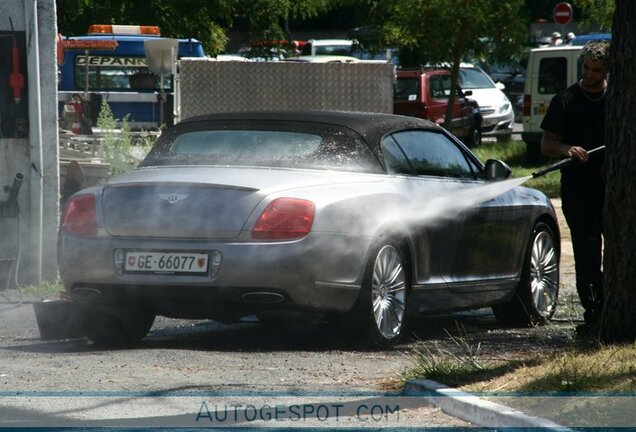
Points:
[(527, 102), (80, 215), (285, 219)]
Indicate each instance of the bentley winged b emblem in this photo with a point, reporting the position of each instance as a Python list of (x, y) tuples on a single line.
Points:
[(173, 198)]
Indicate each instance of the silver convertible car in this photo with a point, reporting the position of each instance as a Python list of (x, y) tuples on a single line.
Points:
[(369, 217)]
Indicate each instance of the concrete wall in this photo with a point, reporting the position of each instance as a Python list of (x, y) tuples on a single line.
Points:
[(31, 149)]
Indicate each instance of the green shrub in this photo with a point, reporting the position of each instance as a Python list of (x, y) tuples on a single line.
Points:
[(120, 148)]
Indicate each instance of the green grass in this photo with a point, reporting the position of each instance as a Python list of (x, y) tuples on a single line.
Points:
[(514, 154), (46, 290)]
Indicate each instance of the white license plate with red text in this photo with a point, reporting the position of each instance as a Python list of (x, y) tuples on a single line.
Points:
[(166, 262)]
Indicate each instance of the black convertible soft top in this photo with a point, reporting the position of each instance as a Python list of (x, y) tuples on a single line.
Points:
[(371, 126)]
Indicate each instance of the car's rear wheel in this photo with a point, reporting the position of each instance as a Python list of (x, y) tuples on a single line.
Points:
[(384, 294), (115, 326), (536, 298)]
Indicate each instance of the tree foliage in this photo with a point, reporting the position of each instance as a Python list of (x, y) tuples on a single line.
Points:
[(451, 31), (599, 11), (268, 20), (205, 20), (432, 31)]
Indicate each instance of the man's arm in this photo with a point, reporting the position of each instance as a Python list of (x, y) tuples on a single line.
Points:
[(552, 146)]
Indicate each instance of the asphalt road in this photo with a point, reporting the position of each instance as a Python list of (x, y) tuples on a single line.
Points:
[(201, 373), (183, 366)]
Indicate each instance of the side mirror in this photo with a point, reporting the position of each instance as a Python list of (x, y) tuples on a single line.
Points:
[(500, 85), (497, 170), (468, 92)]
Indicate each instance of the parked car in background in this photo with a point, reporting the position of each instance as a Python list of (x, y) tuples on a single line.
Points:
[(360, 216), (327, 47), (389, 55), (423, 92), (513, 77), (323, 59), (495, 107)]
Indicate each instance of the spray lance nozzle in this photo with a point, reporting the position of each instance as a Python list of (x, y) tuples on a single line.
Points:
[(562, 164)]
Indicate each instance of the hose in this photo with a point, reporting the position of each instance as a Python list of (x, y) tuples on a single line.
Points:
[(562, 164)]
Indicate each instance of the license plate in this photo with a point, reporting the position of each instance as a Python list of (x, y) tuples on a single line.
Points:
[(166, 262)]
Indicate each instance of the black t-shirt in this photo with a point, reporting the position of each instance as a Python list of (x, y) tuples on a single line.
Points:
[(580, 121)]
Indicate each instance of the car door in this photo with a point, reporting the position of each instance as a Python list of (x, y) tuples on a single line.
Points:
[(439, 90), (470, 244), (427, 266)]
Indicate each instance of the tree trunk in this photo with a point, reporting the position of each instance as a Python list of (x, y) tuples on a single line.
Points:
[(619, 318), (458, 49), (450, 108)]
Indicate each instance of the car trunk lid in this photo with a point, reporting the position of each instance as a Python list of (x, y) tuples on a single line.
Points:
[(193, 202)]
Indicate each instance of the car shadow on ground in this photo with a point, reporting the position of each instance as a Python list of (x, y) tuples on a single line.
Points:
[(450, 331)]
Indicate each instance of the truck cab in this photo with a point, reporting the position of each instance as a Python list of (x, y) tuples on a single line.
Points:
[(109, 63)]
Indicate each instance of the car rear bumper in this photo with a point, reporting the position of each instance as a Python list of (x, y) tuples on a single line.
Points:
[(320, 273)]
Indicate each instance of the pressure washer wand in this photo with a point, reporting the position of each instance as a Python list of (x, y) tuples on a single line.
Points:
[(561, 164)]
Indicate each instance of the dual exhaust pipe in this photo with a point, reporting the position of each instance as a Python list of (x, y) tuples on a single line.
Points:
[(561, 164)]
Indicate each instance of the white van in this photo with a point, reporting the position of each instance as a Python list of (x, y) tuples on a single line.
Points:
[(328, 47), (549, 71)]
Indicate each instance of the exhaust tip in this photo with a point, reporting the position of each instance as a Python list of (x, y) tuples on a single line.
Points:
[(85, 294), (262, 297)]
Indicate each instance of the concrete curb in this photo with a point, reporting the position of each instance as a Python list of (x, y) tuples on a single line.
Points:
[(474, 410)]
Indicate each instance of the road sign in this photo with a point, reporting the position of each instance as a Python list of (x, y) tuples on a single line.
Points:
[(562, 13)]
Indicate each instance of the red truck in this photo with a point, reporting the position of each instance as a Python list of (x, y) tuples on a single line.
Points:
[(424, 92)]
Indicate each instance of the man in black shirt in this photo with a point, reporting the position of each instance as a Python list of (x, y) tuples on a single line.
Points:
[(573, 125)]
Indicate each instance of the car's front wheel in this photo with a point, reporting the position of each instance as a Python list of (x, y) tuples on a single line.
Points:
[(474, 136), (536, 298), (384, 294), (115, 326)]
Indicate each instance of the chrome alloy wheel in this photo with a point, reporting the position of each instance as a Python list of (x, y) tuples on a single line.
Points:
[(544, 274), (388, 292)]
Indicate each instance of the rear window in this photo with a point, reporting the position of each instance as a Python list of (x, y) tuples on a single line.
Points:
[(407, 89), (243, 144), (315, 148), (552, 75)]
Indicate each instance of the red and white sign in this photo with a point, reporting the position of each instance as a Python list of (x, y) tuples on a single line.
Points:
[(562, 13)]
